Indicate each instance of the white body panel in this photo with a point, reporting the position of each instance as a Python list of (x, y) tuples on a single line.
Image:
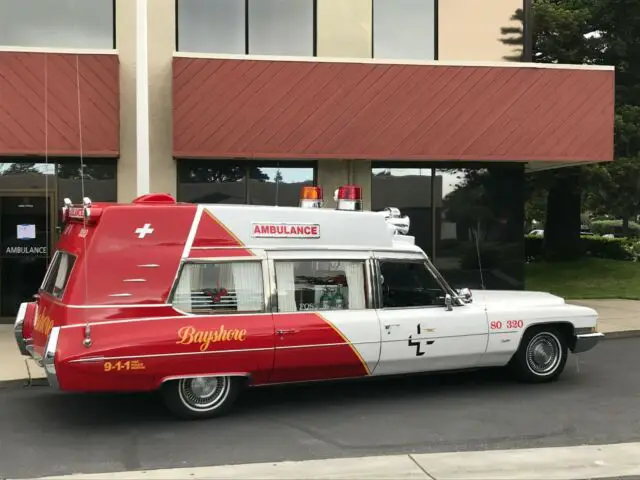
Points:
[(430, 339)]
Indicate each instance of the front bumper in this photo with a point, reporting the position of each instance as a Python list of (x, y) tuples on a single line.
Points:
[(586, 341)]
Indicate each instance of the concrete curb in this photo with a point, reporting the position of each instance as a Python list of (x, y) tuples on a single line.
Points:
[(621, 334)]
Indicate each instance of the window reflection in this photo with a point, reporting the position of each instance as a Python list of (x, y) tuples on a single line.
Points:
[(480, 210), (99, 181), (218, 182), (274, 183), (279, 186), (26, 176), (408, 189)]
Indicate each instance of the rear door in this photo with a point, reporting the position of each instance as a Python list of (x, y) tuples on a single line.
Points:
[(418, 333), (325, 323)]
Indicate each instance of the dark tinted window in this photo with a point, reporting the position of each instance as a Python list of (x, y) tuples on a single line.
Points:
[(409, 284)]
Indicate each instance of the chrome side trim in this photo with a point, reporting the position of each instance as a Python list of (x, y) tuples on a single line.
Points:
[(17, 329), (586, 342), (206, 375), (211, 352), (49, 358)]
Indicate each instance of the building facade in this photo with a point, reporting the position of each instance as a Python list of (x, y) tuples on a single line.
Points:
[(418, 101)]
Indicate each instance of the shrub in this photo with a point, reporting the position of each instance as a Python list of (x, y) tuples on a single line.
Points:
[(592, 246), (614, 227)]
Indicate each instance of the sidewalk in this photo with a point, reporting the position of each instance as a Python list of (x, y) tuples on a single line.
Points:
[(618, 318), (570, 463)]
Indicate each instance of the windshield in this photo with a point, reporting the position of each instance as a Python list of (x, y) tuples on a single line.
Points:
[(441, 280)]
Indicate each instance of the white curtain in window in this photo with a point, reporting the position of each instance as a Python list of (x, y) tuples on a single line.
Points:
[(354, 272), (61, 274), (247, 280), (285, 279), (182, 297)]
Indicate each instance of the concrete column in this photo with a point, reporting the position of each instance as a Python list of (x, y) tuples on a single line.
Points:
[(126, 45), (344, 28), (333, 173), (162, 28)]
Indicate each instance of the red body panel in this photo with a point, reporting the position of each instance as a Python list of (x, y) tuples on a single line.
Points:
[(119, 288), (297, 359)]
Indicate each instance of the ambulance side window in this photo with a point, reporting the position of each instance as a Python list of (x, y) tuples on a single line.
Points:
[(407, 283), (57, 276), (210, 288), (315, 285)]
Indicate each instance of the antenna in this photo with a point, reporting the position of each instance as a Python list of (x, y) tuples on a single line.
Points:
[(476, 234), (87, 328), (47, 206)]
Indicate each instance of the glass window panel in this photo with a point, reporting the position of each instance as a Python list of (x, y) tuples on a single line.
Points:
[(220, 288), (408, 189), (404, 29), (27, 175), (57, 24), (278, 186), (409, 284), (211, 26), (212, 182), (100, 181), (281, 27), (480, 209), (320, 285)]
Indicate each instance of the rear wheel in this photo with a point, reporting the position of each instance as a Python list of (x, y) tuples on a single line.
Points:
[(541, 356), (201, 397)]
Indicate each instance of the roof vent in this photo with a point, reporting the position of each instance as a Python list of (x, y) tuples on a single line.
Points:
[(155, 198)]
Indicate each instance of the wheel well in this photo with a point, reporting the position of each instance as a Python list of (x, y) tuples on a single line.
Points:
[(565, 328)]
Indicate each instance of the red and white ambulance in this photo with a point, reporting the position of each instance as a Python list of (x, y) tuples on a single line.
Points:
[(201, 301)]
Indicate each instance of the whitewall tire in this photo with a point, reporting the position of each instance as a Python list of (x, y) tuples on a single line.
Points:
[(201, 397), (541, 356)]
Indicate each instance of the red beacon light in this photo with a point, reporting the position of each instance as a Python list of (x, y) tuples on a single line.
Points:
[(311, 197), (349, 197)]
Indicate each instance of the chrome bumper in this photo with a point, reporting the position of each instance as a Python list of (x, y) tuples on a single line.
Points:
[(17, 330), (47, 361), (586, 341)]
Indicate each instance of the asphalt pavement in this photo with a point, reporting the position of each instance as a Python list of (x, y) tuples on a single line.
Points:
[(595, 402)]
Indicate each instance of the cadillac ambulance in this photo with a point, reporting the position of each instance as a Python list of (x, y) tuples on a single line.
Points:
[(201, 301)]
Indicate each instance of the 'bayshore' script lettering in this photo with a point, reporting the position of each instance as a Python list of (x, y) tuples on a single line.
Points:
[(189, 335)]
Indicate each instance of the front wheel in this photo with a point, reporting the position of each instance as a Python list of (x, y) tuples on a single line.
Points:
[(201, 397), (541, 356)]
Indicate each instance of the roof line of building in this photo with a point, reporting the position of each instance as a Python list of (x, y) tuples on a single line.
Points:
[(382, 61)]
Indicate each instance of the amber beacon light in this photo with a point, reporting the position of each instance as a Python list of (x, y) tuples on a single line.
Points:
[(349, 197), (311, 197)]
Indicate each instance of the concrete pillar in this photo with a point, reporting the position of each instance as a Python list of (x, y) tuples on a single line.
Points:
[(126, 46)]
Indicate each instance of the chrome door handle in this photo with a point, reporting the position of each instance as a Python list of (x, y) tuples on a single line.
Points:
[(287, 331), (389, 325)]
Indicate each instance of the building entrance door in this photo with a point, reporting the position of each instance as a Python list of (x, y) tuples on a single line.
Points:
[(27, 227)]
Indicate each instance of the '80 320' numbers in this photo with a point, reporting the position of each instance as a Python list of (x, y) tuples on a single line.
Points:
[(509, 324)]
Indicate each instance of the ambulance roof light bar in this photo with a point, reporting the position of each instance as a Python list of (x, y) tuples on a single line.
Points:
[(348, 197), (311, 197), (84, 212)]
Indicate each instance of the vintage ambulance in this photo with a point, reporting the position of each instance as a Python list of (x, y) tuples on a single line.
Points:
[(201, 301)]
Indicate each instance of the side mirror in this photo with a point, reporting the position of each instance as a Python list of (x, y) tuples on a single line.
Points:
[(448, 303), (465, 295)]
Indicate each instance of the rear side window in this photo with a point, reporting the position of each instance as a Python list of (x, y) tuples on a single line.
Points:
[(58, 274), (310, 285), (220, 288)]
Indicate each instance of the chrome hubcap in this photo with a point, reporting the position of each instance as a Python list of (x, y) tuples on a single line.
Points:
[(544, 353), (203, 393)]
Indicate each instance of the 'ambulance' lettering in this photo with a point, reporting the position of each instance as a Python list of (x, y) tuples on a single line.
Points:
[(285, 230)]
